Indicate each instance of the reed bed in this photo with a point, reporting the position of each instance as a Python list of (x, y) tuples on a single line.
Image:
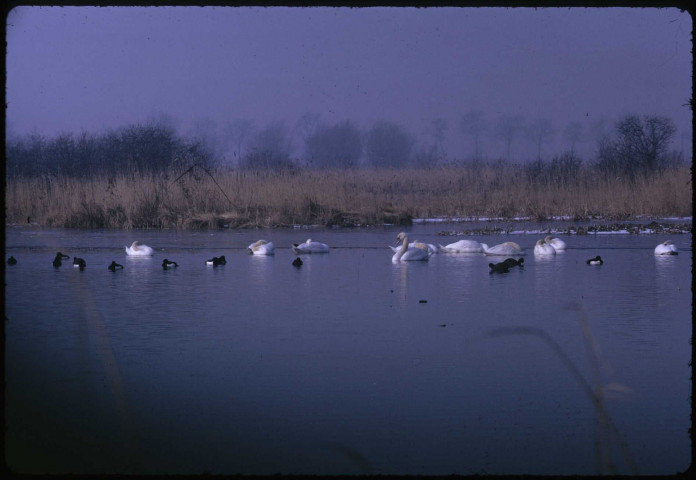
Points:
[(246, 198)]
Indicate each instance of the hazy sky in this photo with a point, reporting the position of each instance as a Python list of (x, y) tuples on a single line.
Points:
[(88, 68)]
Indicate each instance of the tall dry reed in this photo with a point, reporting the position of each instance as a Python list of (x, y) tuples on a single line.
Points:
[(244, 198)]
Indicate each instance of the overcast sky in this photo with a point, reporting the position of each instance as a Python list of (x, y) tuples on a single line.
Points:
[(71, 69)]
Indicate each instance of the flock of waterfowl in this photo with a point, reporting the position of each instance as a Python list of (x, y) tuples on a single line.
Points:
[(403, 252)]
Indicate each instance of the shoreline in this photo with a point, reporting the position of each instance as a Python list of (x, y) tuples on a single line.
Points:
[(667, 225)]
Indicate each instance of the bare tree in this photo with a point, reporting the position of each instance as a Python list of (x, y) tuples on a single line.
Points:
[(271, 148), (439, 127), (205, 131), (474, 125), (539, 131), (639, 146), (239, 132), (164, 120), (599, 129), (573, 133), (685, 138), (506, 129), (307, 125)]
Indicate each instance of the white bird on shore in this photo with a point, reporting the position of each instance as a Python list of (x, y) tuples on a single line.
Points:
[(406, 254), (137, 250), (462, 246), (555, 242), (666, 248), (543, 248), (310, 247), (261, 247), (507, 248)]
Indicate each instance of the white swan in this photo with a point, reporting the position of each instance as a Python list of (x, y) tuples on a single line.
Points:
[(666, 248), (462, 246), (555, 242), (310, 247), (138, 250), (428, 247), (261, 247), (406, 254), (543, 248), (507, 248)]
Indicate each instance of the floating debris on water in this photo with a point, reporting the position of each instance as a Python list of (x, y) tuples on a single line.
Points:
[(609, 228)]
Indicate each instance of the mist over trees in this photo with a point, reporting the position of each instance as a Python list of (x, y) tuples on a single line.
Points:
[(573, 133), (239, 132), (388, 144), (474, 125), (506, 129), (539, 131), (334, 146), (631, 146), (271, 148)]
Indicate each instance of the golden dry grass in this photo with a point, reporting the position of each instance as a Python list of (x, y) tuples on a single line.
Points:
[(359, 196)]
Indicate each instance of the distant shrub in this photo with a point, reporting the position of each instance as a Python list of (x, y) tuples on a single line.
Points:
[(143, 149), (388, 144), (335, 146), (562, 170), (270, 149)]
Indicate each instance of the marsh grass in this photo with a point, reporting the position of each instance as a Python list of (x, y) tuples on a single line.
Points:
[(247, 198), (607, 435)]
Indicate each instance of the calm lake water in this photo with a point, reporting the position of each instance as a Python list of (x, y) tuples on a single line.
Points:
[(349, 364)]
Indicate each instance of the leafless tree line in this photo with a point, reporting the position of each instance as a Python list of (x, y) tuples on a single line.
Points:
[(633, 145)]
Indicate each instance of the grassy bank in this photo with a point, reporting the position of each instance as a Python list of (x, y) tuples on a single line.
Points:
[(243, 199)]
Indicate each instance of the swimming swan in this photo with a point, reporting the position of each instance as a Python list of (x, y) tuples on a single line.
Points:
[(595, 261), (137, 250), (462, 246), (555, 242), (406, 254), (310, 247), (428, 247), (507, 248), (666, 248), (543, 248), (261, 247)]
